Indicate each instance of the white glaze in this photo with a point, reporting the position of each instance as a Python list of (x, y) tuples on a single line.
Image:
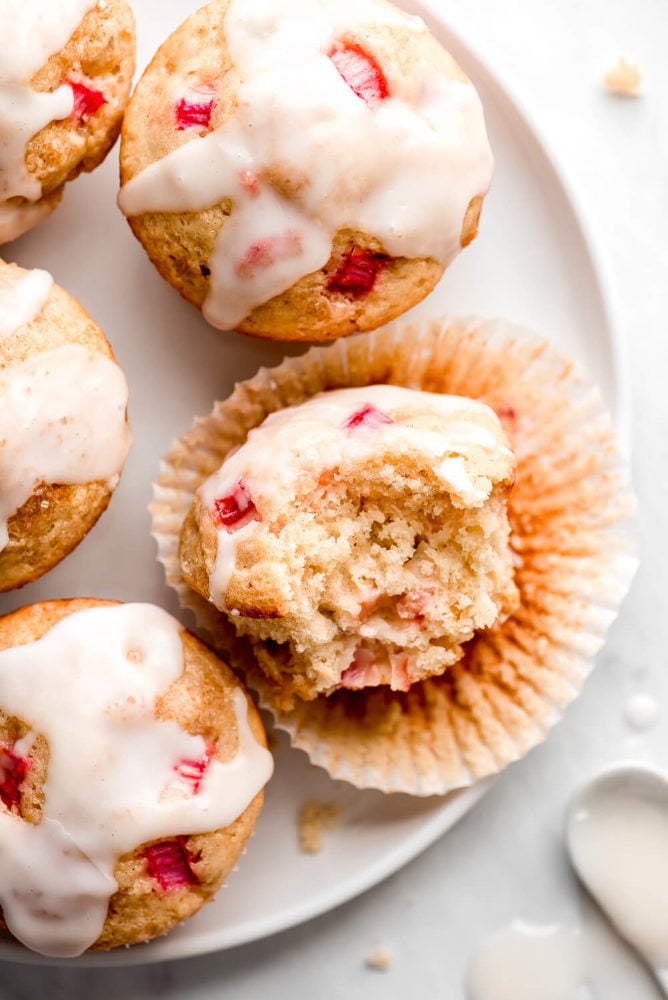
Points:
[(18, 219), (527, 962), (62, 420), (23, 295), (641, 711), (618, 840), (403, 170), (31, 31), (90, 686), (287, 454)]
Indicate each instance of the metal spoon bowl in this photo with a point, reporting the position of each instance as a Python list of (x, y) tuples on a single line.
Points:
[(615, 836)]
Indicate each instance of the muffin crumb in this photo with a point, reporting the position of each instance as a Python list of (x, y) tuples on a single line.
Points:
[(313, 819), (380, 958), (623, 79)]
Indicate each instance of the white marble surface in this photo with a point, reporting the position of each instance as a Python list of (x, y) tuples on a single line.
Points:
[(506, 859)]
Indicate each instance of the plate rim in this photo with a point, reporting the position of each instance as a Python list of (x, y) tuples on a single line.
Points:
[(457, 804)]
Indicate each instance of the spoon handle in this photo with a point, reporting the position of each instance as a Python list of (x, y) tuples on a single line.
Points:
[(661, 976)]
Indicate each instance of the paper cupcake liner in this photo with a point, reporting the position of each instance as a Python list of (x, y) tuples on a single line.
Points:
[(572, 534)]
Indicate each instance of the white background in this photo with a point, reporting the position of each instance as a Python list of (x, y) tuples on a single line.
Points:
[(506, 859)]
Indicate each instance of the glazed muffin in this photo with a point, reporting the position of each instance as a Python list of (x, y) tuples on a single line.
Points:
[(571, 543), (132, 765), (65, 79), (63, 424), (302, 170), (359, 538)]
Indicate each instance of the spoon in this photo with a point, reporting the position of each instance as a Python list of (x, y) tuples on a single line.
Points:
[(617, 838)]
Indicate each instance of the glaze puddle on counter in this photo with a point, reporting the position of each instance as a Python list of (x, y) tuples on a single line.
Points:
[(618, 842), (529, 962)]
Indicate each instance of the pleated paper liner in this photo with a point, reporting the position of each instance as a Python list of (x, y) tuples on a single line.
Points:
[(572, 534)]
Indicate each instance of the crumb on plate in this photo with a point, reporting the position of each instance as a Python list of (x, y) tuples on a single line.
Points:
[(313, 819), (379, 958), (623, 78)]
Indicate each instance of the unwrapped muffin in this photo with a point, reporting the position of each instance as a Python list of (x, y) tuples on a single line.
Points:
[(131, 772), (65, 78), (571, 538), (63, 424), (306, 168), (359, 538)]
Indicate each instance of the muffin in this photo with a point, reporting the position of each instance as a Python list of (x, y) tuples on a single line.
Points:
[(63, 424), (65, 79), (132, 766), (358, 538), (301, 170), (571, 542)]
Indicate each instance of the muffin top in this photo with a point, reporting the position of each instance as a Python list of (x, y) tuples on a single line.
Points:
[(302, 120), (65, 76), (63, 418), (102, 761)]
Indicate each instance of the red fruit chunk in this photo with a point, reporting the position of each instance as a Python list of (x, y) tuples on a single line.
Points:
[(235, 509), (86, 100), (193, 114), (506, 412), (400, 678), (412, 606), (369, 668), (192, 771), (264, 253), (169, 863), (367, 416), (12, 772), (250, 182), (356, 274), (364, 671), (361, 72)]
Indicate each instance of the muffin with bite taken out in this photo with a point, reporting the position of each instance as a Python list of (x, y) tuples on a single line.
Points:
[(359, 538)]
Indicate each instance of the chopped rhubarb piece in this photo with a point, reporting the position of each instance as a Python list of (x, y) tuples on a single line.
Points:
[(169, 863), (193, 113), (250, 182), (367, 416), (361, 72), (372, 667), (86, 100), (265, 253), (193, 771), (364, 671), (356, 274), (12, 772), (236, 509), (400, 678), (412, 606)]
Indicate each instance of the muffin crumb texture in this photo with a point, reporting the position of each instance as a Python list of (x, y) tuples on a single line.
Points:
[(313, 820), (623, 79), (380, 958)]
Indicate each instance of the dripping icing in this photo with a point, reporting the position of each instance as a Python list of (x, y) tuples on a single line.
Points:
[(118, 756), (360, 174)]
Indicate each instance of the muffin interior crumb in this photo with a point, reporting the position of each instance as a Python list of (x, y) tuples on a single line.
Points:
[(313, 819), (375, 578)]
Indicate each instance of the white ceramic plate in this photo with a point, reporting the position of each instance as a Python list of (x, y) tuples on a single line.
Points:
[(533, 262)]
